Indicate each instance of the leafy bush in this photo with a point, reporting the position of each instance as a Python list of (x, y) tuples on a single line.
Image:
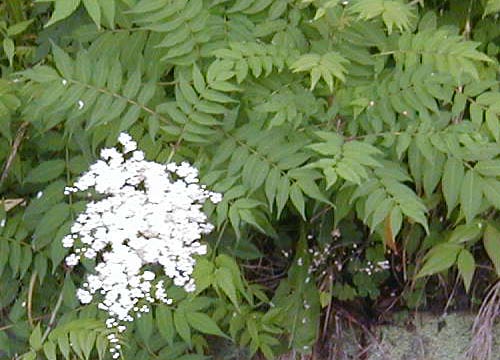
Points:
[(356, 144)]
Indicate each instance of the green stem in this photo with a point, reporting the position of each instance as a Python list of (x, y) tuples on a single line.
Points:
[(52, 319)]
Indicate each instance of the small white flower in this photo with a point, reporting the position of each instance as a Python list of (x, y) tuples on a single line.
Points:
[(148, 275), (72, 260), (68, 241), (81, 104), (84, 296)]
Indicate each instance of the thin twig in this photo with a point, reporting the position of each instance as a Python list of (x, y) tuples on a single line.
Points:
[(30, 298), (52, 319), (15, 147)]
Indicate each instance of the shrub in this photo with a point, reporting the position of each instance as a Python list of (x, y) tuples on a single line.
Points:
[(355, 144)]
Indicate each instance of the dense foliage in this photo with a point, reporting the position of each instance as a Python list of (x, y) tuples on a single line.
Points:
[(356, 145)]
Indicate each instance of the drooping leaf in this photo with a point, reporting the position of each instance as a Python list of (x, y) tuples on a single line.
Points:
[(203, 323), (491, 241), (439, 258), (471, 195), (466, 267)]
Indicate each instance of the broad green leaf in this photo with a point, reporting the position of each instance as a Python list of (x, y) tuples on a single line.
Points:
[(63, 344), (493, 124), (15, 254), (282, 194), (86, 341), (108, 10), (452, 182), (476, 114), (51, 220), (298, 199), (9, 48), (271, 185), (198, 79), (29, 355), (311, 189), (491, 241), (144, 326), (182, 326), (466, 233), (69, 292), (203, 323), (19, 27), (491, 191), (46, 171), (165, 323), (224, 281), (439, 258), (488, 167), (63, 9), (203, 274), (49, 349), (393, 12), (35, 339), (466, 267), (94, 10), (471, 195)]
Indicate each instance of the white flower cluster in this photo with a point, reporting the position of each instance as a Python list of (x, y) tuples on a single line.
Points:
[(148, 214)]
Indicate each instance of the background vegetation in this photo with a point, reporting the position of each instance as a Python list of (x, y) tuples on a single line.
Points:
[(356, 144)]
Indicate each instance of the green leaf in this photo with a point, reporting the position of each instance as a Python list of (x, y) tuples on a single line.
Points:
[(9, 48), (393, 12), (311, 189), (203, 274), (203, 323), (491, 241), (282, 194), (63, 9), (165, 323), (182, 326), (466, 267), (298, 199), (29, 356), (491, 191), (144, 326), (19, 27), (63, 344), (488, 167), (69, 292), (493, 124), (50, 221), (471, 195), (271, 185), (49, 349), (224, 281), (452, 182), (35, 339), (466, 233), (46, 171), (108, 9), (439, 258), (198, 79), (94, 10)]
